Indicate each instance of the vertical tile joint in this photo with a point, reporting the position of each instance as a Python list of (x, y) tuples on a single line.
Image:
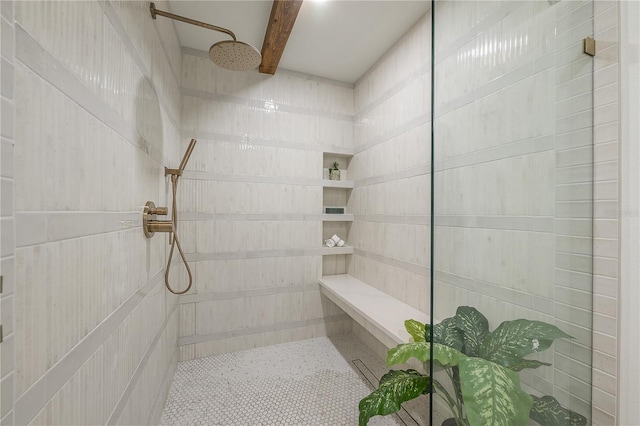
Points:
[(1, 293)]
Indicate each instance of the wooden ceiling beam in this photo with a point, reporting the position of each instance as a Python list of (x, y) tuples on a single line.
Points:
[(283, 16)]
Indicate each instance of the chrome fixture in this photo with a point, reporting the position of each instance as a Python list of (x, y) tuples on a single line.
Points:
[(233, 55), (150, 225)]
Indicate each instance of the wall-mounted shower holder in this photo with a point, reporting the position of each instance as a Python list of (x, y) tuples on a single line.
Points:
[(150, 225), (172, 172)]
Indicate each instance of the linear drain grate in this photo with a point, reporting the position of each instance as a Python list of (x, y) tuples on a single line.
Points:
[(402, 415)]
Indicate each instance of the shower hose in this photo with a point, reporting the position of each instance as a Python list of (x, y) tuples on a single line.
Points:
[(174, 241)]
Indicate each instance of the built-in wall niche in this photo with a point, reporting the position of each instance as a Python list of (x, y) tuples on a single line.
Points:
[(336, 193), (336, 224), (341, 229), (335, 200), (337, 218), (335, 259), (343, 161)]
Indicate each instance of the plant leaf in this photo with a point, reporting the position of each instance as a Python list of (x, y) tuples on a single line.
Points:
[(513, 340), (401, 353), (444, 355), (547, 411), (427, 332), (415, 329), (522, 363), (447, 333), (474, 327), (492, 394), (396, 387)]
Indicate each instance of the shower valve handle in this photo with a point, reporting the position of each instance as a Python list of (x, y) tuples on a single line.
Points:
[(160, 226), (162, 211), (150, 225)]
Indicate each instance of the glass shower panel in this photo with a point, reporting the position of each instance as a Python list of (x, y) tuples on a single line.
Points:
[(513, 159)]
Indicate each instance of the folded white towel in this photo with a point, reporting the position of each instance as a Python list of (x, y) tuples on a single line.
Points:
[(335, 239), (330, 243), (340, 243)]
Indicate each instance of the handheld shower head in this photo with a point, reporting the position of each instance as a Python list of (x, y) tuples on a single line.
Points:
[(187, 154), (176, 173)]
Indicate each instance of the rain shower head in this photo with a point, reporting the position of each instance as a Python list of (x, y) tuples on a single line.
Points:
[(235, 55), (232, 55)]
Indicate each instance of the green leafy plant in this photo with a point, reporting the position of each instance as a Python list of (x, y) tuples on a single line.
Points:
[(483, 368), (335, 166)]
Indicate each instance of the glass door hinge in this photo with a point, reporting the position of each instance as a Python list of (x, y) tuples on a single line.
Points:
[(589, 46)]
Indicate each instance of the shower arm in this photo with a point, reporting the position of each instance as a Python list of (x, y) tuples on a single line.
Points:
[(169, 15)]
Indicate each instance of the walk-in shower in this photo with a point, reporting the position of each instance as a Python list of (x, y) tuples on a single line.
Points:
[(484, 152)]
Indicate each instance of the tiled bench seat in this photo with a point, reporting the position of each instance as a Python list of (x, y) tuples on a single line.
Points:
[(380, 314)]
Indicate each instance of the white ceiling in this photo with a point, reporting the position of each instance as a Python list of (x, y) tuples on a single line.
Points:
[(337, 39)]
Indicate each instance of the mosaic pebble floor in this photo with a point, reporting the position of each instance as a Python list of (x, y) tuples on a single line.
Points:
[(310, 382)]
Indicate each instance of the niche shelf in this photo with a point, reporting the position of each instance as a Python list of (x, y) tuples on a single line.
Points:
[(347, 217), (336, 251), (336, 193), (346, 184)]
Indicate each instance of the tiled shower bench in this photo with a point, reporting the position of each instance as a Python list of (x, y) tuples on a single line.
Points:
[(380, 314)]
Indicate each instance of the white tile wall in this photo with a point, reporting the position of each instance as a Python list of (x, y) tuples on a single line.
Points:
[(253, 198), (628, 339), (390, 201), (506, 85), (221, 276), (7, 222), (513, 109), (390, 169), (97, 117), (607, 216), (249, 198)]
